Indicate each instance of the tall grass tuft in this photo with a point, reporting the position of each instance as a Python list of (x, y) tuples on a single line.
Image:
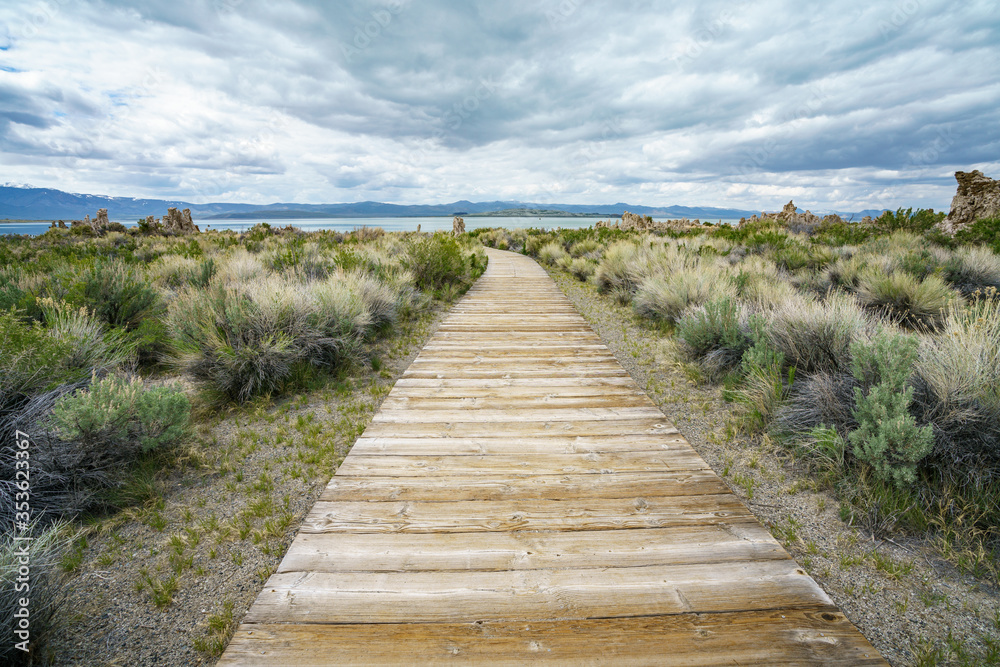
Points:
[(958, 389), (973, 269), (46, 593), (815, 335), (666, 296), (247, 339), (904, 299)]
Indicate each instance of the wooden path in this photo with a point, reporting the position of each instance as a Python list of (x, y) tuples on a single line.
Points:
[(519, 499)]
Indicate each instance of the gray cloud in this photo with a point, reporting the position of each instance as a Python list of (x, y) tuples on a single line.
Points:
[(719, 103)]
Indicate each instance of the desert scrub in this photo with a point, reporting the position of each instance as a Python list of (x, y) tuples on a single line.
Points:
[(973, 269), (958, 382), (586, 247), (115, 413), (438, 260), (713, 335), (887, 437), (245, 339), (582, 269)]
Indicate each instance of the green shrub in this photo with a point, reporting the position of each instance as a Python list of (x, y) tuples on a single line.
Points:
[(842, 233), (436, 261), (903, 299), (30, 361), (115, 414), (34, 359), (713, 335), (982, 232), (921, 221), (119, 295), (887, 437)]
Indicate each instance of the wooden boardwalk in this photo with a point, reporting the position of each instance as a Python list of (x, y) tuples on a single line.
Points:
[(519, 499)]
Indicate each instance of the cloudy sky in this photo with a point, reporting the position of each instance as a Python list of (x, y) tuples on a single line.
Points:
[(839, 105)]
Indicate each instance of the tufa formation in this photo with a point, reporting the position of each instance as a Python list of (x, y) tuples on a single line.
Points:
[(631, 221), (978, 197)]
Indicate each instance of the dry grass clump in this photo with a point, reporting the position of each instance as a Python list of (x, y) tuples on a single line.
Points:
[(959, 379), (816, 335), (626, 264), (760, 285), (974, 268), (666, 296), (45, 591), (904, 299), (582, 268), (239, 265), (587, 247), (551, 253), (174, 271), (246, 338)]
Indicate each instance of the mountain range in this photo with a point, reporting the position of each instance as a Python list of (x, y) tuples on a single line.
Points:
[(19, 202)]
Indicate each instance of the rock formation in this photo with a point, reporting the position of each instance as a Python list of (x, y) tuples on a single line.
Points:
[(791, 218), (99, 224), (634, 222), (978, 197), (458, 226), (178, 222), (101, 221)]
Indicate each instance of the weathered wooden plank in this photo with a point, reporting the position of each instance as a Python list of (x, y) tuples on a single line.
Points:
[(540, 414), (565, 391), (504, 445), (529, 550), (471, 383), (519, 429), (462, 516), (440, 597), (818, 635), (595, 463), (437, 372), (527, 488)]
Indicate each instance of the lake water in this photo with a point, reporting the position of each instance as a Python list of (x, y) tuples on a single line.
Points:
[(348, 224)]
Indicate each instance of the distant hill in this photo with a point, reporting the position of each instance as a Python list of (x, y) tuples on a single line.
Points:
[(29, 203)]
